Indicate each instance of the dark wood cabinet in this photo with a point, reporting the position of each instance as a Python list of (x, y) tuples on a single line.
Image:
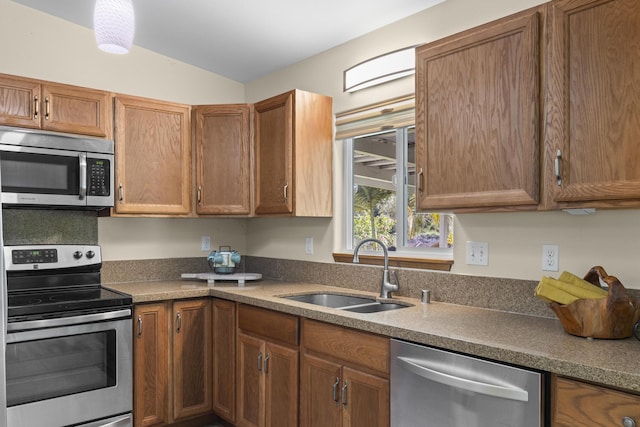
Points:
[(224, 359)]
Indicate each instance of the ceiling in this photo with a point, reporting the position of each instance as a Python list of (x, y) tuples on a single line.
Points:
[(244, 40)]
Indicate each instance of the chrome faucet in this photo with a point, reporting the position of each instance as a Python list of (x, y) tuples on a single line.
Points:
[(386, 287)]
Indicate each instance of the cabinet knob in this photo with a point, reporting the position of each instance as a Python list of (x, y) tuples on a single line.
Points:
[(178, 322), (139, 326), (628, 422)]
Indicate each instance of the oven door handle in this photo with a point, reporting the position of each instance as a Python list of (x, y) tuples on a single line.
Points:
[(68, 321)]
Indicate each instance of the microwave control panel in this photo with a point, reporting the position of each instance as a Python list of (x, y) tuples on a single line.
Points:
[(98, 178)]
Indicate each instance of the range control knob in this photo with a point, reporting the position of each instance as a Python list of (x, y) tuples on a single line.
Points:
[(77, 254), (90, 254)]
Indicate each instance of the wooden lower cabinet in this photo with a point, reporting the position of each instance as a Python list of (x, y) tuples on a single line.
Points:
[(267, 388), (576, 403), (172, 361), (224, 359), (344, 377)]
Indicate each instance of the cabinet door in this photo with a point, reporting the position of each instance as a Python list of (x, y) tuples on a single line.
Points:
[(153, 157), (191, 358), (224, 353), (274, 187), (76, 110), (223, 159), (250, 388), (477, 117), (320, 393), (150, 365), (593, 125), (19, 102), (580, 404), (367, 400), (281, 386)]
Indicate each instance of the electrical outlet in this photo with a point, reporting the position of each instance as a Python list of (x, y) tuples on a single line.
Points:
[(308, 244), (477, 253), (205, 243), (550, 257)]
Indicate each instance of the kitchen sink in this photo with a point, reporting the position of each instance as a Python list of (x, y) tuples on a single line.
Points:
[(375, 307), (352, 303), (331, 300)]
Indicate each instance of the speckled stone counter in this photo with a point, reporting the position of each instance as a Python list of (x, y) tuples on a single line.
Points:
[(530, 341)]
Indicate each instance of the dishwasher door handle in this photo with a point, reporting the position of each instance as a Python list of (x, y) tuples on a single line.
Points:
[(418, 367)]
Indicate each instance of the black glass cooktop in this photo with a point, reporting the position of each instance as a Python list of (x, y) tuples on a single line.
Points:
[(54, 302)]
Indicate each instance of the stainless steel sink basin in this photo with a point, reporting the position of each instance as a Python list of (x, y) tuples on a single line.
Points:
[(355, 304), (375, 307), (331, 300)]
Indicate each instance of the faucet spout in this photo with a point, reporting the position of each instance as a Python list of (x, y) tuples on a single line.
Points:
[(386, 287)]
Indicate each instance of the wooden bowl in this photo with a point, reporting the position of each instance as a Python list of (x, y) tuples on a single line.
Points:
[(611, 317)]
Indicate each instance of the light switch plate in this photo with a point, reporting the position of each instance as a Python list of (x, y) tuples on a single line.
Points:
[(477, 253)]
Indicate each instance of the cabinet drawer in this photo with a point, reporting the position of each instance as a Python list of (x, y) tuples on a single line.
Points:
[(577, 403), (358, 348), (268, 324)]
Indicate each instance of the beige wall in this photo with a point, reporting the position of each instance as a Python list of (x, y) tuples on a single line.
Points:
[(608, 238), (40, 46)]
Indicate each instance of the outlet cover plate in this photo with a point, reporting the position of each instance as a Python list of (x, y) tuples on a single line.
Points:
[(550, 257)]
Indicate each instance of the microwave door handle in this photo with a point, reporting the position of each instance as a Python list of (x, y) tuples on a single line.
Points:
[(83, 176), (421, 368)]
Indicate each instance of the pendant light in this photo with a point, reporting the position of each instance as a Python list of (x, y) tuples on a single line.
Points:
[(114, 25)]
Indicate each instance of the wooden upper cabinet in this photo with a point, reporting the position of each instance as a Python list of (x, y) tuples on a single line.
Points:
[(153, 157), (222, 135), (55, 107), (593, 117), (477, 117), (293, 155)]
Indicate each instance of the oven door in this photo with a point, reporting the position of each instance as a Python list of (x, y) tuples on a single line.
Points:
[(69, 370)]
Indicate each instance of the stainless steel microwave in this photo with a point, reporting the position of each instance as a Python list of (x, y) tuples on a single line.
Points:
[(48, 169)]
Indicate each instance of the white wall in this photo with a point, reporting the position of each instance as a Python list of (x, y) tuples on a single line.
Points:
[(608, 238)]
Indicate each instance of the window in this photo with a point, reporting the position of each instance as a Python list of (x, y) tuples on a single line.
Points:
[(380, 197)]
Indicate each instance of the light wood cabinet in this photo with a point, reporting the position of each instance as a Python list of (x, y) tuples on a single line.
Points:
[(267, 389), (477, 117), (577, 403), (172, 361), (593, 118), (293, 134), (151, 365), (56, 107), (222, 135), (344, 379), (224, 359), (152, 157)]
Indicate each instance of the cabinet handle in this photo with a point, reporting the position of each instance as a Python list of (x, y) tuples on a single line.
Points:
[(36, 107), (199, 195), (260, 362), (178, 322), (120, 193), (335, 390), (344, 394), (266, 364), (284, 192), (628, 422), (419, 183), (47, 108), (139, 326), (558, 165)]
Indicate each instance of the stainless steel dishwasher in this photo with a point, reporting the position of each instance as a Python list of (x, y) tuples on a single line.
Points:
[(436, 388)]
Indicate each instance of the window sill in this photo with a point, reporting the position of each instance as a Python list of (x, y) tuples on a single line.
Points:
[(397, 261)]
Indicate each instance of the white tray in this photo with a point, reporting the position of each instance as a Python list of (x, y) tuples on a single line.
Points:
[(212, 277)]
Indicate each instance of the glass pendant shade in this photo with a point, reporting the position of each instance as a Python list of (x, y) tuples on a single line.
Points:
[(114, 25)]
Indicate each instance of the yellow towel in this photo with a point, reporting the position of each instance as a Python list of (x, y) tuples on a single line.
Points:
[(562, 292), (577, 281)]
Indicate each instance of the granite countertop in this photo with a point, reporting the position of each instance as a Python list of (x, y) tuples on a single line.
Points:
[(530, 341)]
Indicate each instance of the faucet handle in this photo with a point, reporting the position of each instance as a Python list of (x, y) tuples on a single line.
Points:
[(395, 277)]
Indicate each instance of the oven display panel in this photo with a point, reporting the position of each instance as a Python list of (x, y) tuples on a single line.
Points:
[(40, 256)]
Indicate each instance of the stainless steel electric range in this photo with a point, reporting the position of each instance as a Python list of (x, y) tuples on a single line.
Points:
[(68, 340)]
